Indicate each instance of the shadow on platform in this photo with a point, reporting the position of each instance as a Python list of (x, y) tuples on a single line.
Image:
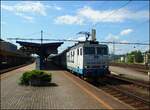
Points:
[(47, 85), (49, 65)]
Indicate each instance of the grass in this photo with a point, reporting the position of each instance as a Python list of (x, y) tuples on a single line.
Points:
[(35, 75)]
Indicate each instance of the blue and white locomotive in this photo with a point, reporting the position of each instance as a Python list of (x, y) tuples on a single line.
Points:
[(89, 59), (85, 58)]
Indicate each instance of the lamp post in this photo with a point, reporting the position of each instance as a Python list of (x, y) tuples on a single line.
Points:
[(149, 44)]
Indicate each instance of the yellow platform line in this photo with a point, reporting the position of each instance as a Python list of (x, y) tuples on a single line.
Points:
[(6, 76)]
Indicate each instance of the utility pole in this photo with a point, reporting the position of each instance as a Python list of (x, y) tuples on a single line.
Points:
[(41, 36), (114, 50), (149, 44), (41, 52)]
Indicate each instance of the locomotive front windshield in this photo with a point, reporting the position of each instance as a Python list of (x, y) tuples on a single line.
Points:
[(102, 51), (89, 50), (94, 50)]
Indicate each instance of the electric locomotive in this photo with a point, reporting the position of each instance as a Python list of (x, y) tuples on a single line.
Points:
[(88, 59), (85, 58)]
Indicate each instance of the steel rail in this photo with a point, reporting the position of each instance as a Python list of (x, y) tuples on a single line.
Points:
[(145, 103), (143, 84), (130, 94)]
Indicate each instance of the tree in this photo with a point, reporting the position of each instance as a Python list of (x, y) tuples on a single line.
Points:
[(135, 56), (130, 58), (138, 57)]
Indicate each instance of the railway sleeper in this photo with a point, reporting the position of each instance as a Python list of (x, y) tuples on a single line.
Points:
[(129, 101)]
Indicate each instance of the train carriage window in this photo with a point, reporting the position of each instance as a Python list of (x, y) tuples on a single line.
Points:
[(77, 51), (69, 57), (102, 50), (89, 50), (73, 58), (80, 51)]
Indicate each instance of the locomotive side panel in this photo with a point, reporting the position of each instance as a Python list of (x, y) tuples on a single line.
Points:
[(75, 60)]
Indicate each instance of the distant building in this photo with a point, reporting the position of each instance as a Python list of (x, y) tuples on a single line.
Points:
[(122, 59), (7, 46), (146, 58)]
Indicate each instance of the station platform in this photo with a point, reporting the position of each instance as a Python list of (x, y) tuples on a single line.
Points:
[(130, 73), (67, 92)]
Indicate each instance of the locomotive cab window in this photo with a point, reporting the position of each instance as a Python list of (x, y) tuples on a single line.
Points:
[(89, 50), (102, 50), (80, 51), (77, 51)]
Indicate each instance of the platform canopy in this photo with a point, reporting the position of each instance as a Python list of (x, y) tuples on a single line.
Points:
[(44, 49)]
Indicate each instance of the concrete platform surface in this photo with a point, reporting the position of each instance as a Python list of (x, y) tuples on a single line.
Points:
[(130, 73), (67, 92)]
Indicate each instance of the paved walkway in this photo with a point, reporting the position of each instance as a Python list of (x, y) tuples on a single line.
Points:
[(130, 73), (67, 92)]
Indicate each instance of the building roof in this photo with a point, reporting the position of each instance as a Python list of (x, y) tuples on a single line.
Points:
[(31, 44), (38, 48)]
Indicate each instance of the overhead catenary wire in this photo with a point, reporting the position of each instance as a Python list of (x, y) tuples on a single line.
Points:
[(138, 24), (65, 40), (114, 11)]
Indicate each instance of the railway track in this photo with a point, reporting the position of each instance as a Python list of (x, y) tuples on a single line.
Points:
[(144, 85), (135, 83), (121, 89)]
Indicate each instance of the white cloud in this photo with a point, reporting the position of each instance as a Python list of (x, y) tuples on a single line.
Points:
[(126, 31), (54, 7), (119, 49), (28, 18), (26, 7), (116, 38), (99, 16), (87, 14), (67, 19), (112, 37), (23, 9), (111, 15), (57, 7)]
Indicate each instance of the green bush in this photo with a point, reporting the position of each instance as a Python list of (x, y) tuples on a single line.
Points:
[(35, 75)]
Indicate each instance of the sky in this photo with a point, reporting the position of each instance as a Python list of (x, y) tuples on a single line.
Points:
[(120, 21)]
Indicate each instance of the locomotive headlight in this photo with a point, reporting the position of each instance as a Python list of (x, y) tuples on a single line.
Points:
[(85, 66), (105, 66)]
